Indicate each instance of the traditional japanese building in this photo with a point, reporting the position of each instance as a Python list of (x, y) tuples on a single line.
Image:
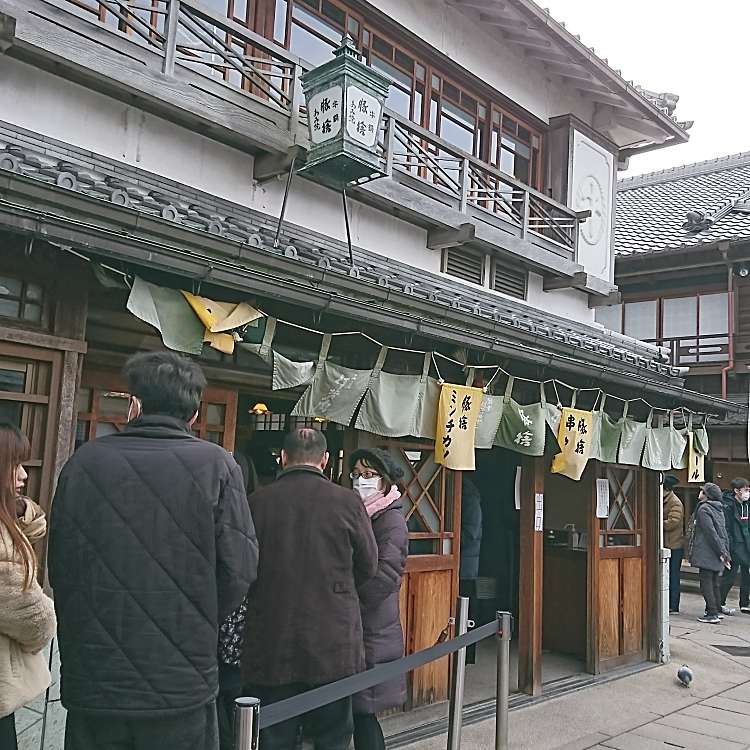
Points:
[(151, 146), (683, 258)]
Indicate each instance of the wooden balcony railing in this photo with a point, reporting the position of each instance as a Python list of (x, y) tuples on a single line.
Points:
[(190, 34), (473, 184), (187, 33), (696, 350)]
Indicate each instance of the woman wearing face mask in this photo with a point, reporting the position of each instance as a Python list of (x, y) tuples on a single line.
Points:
[(375, 476), (27, 615)]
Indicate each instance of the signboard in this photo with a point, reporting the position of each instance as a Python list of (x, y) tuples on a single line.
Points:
[(362, 117), (696, 462), (574, 436), (324, 114), (457, 415)]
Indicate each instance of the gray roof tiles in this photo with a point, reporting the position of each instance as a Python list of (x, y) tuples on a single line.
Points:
[(652, 209), (141, 191)]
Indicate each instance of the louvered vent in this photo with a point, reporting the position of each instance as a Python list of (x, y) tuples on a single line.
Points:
[(464, 264), (509, 279)]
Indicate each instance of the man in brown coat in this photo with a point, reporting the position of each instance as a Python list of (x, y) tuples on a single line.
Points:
[(674, 534), (303, 617)]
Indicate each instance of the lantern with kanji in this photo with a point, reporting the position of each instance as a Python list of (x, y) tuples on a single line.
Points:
[(345, 102)]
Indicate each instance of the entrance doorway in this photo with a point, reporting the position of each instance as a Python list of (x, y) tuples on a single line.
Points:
[(29, 398)]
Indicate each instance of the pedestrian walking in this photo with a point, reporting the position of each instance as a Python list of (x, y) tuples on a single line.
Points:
[(674, 538), (710, 548), (151, 547), (304, 627), (736, 514), (231, 637), (375, 477), (27, 615)]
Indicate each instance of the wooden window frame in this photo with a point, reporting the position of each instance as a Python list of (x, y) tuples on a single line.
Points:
[(482, 125)]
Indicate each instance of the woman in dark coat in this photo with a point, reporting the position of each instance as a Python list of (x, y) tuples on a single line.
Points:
[(710, 549), (375, 476)]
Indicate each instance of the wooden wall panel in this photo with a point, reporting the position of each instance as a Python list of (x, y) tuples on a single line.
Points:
[(632, 605), (609, 608), (430, 598)]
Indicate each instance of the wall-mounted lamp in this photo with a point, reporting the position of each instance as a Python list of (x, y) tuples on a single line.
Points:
[(259, 409)]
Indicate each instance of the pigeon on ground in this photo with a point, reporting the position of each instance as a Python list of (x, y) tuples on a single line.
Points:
[(685, 675)]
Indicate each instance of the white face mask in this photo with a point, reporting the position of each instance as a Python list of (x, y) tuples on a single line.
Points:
[(366, 487), (745, 495)]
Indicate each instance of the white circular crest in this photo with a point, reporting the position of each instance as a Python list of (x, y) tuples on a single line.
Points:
[(590, 197)]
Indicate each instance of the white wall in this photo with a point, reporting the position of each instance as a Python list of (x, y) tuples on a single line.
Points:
[(459, 35), (54, 107), (567, 303)]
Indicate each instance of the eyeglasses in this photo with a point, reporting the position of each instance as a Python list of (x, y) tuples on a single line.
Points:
[(363, 475)]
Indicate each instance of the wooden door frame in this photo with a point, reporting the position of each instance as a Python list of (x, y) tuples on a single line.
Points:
[(113, 380), (531, 579), (594, 662)]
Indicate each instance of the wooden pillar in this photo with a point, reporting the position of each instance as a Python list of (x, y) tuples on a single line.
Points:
[(530, 580)]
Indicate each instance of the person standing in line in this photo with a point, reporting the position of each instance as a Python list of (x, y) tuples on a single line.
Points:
[(151, 546), (710, 549), (673, 514), (736, 514), (231, 633), (375, 477), (27, 615), (304, 627)]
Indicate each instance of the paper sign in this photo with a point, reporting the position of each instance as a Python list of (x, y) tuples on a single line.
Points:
[(457, 415), (324, 114), (518, 488), (602, 498), (538, 512), (574, 437), (363, 117), (696, 462)]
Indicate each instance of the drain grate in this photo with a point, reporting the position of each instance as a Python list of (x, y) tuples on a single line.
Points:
[(735, 650)]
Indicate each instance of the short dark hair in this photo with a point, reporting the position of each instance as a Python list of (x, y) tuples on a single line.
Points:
[(739, 483), (165, 383), (305, 445), (670, 482), (379, 460)]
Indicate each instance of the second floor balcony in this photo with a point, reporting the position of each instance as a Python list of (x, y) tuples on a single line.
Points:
[(188, 62)]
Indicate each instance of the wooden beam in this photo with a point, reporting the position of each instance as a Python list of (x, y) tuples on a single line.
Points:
[(531, 39), (439, 239), (579, 280), (530, 580), (552, 57), (7, 31), (268, 166)]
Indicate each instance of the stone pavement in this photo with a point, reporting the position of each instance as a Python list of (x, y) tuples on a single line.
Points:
[(648, 710)]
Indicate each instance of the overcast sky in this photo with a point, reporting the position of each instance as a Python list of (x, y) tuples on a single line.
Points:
[(694, 48)]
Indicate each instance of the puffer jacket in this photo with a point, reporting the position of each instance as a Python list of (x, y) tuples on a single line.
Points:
[(27, 620), (151, 546), (710, 541), (736, 518), (379, 604)]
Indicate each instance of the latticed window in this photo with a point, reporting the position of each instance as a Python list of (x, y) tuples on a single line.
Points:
[(21, 300)]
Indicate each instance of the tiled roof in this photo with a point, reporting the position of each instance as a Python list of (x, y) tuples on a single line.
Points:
[(685, 206), (69, 168)]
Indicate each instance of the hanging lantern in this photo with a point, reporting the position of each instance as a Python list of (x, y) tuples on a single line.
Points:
[(345, 101)]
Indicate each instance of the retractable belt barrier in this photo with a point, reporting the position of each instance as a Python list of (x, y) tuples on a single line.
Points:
[(275, 713)]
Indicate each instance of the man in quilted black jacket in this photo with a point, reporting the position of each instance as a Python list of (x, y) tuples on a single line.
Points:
[(151, 546)]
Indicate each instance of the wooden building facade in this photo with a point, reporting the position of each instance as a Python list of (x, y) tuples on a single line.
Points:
[(156, 143)]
